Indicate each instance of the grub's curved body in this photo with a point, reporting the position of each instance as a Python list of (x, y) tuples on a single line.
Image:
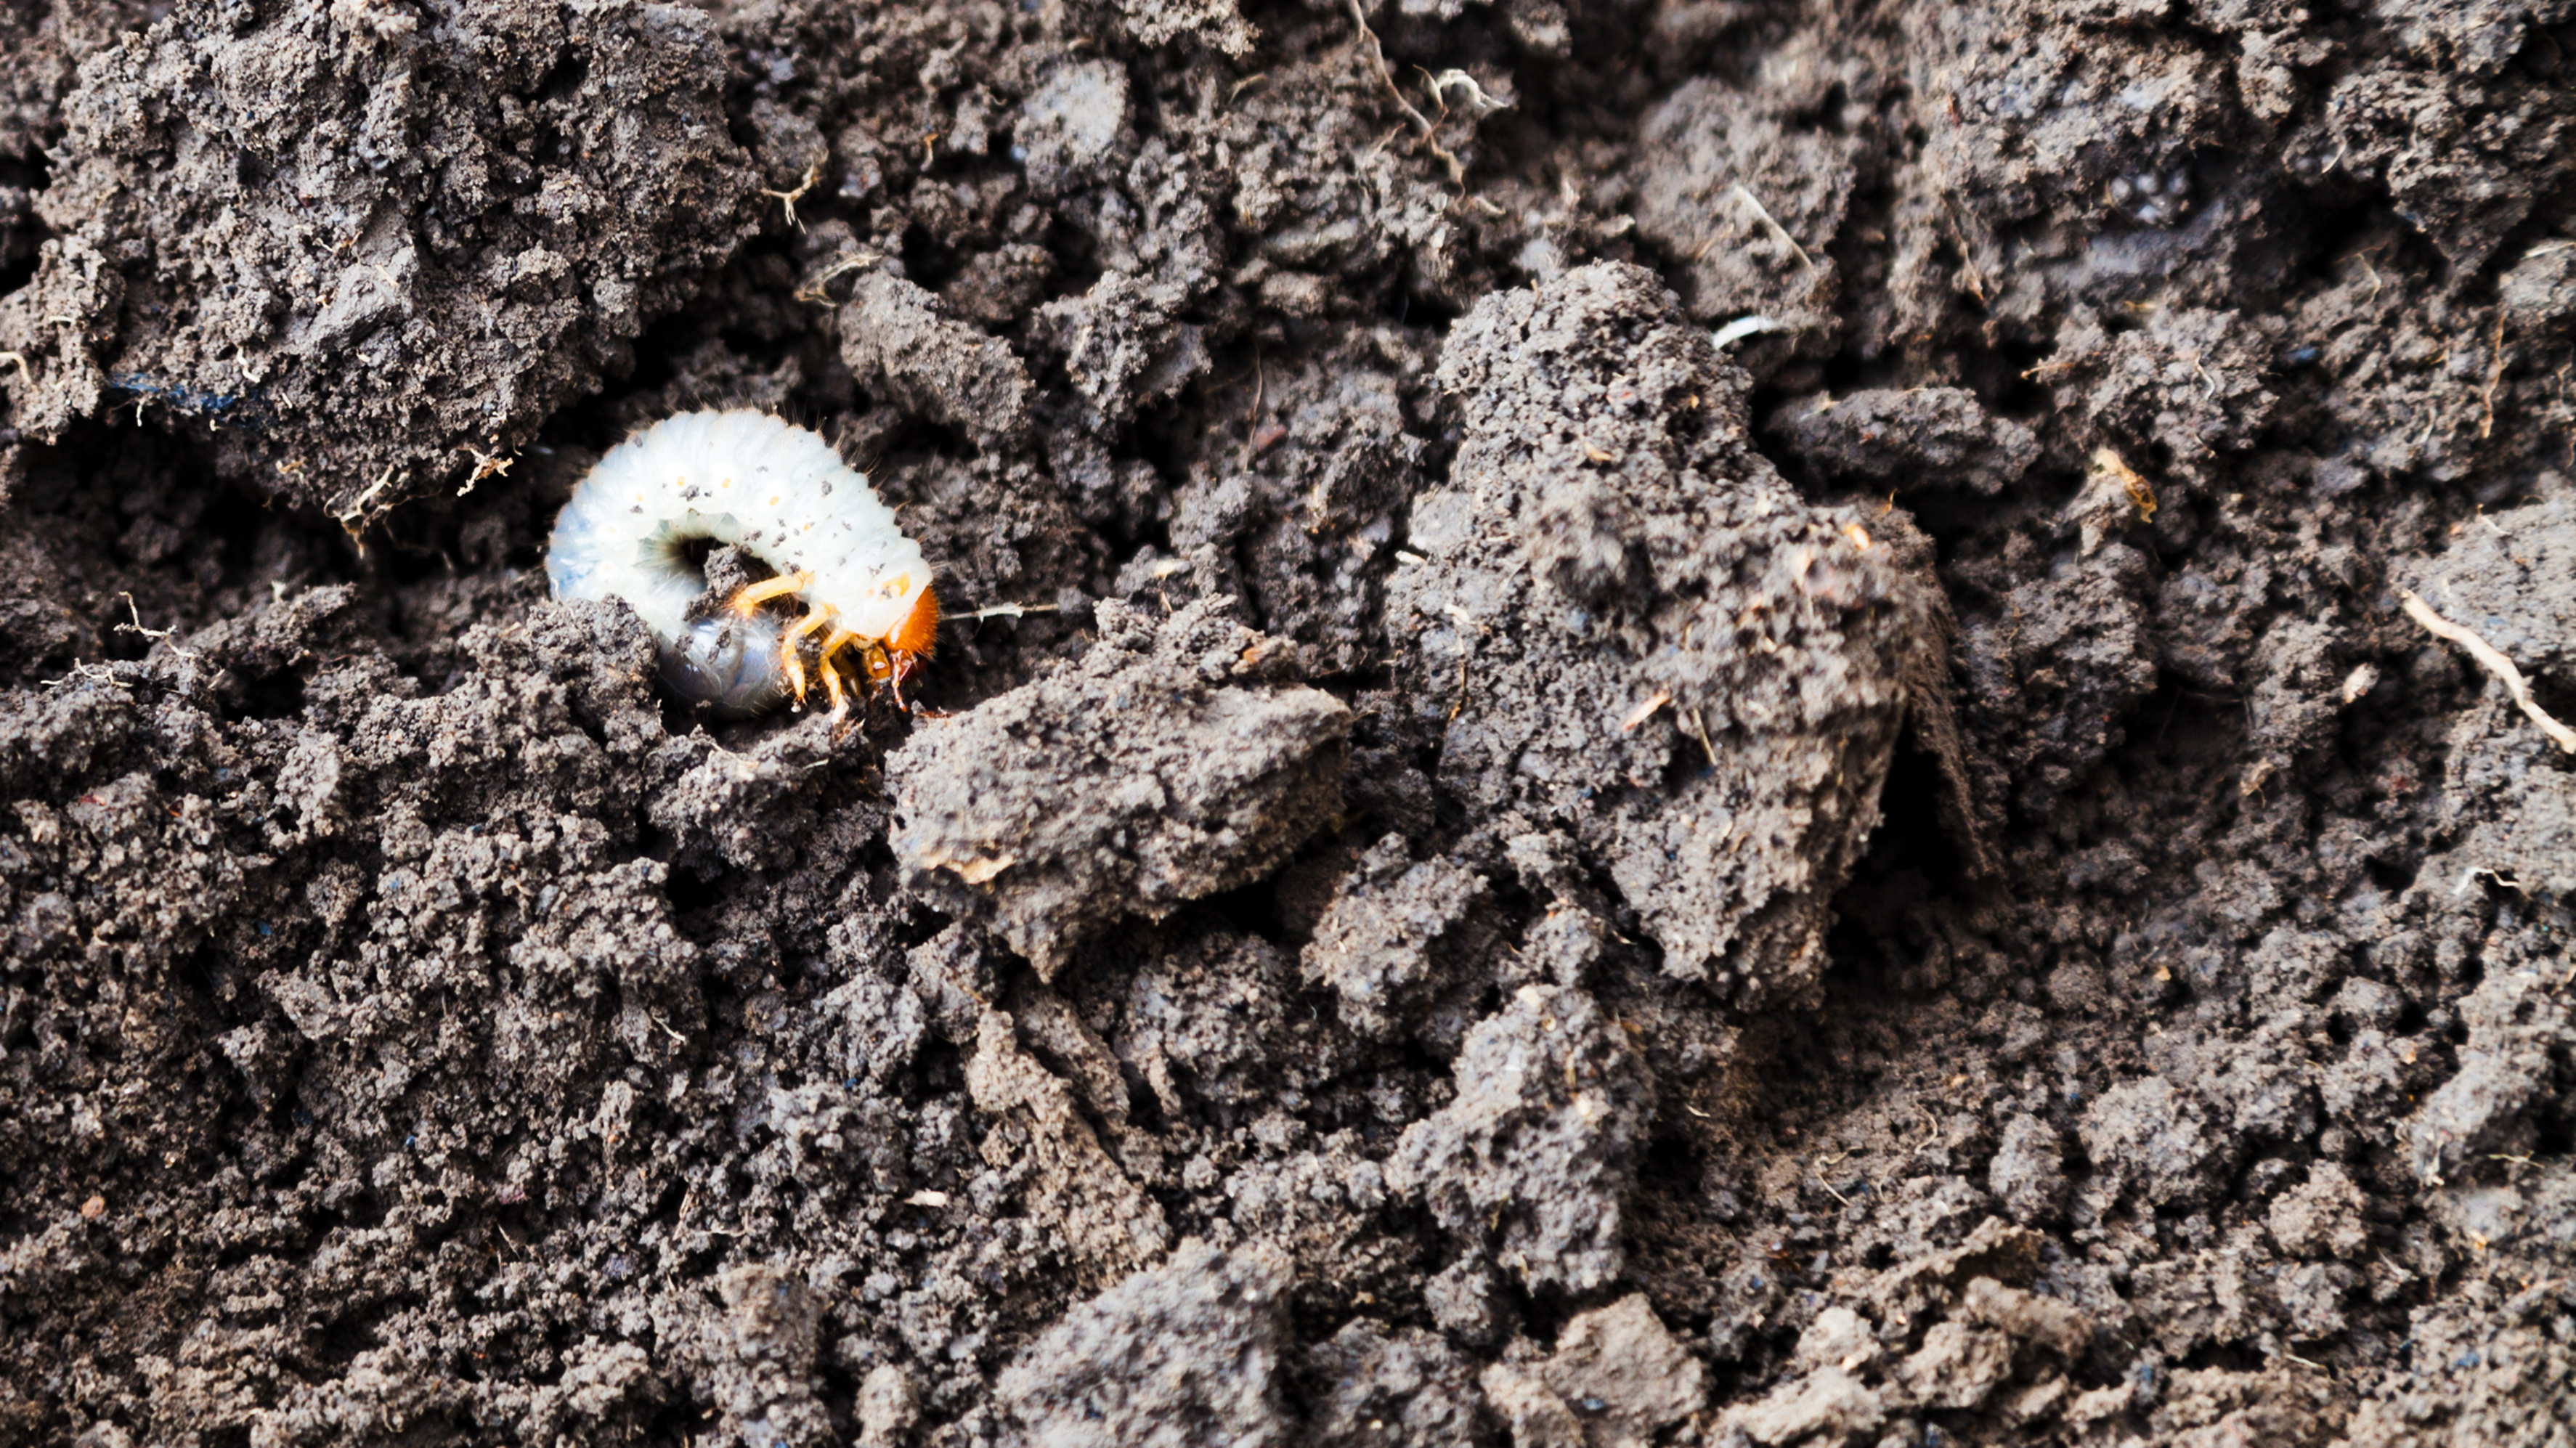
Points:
[(781, 494)]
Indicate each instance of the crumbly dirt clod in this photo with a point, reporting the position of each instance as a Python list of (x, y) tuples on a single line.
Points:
[(1187, 1354), (1399, 935), (1407, 1388), (1685, 723), (355, 294), (1926, 437), (1532, 1160), (894, 338), (1200, 783), (1714, 665)]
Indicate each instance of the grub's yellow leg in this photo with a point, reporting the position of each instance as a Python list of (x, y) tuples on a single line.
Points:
[(748, 601), (837, 640), (788, 646), (836, 643)]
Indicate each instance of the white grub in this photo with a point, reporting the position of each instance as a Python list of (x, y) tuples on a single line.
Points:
[(783, 495)]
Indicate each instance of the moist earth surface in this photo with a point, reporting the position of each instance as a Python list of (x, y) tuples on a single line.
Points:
[(1663, 722)]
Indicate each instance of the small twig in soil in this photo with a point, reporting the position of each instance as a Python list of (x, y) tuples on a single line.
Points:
[(486, 465), (1698, 731), (2495, 374), (1645, 711), (1778, 232), (2497, 664), (813, 291), (156, 635), (2054, 368), (358, 504), (788, 199), (1430, 135)]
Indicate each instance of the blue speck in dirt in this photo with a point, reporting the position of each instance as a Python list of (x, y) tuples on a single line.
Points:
[(178, 396)]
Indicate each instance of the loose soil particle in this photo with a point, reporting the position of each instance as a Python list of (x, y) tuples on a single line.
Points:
[(1665, 723)]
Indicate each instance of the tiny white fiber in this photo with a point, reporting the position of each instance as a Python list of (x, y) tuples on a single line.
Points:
[(778, 492)]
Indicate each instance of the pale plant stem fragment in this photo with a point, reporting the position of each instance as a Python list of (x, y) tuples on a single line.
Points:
[(1007, 610), (788, 199), (1778, 232), (1645, 711), (156, 635), (2495, 375), (813, 291), (2497, 664), (1743, 327), (1430, 134)]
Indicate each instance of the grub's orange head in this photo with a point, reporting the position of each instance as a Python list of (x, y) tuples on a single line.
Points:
[(918, 634)]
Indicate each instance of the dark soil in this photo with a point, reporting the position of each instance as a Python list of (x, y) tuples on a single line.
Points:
[(1692, 723)]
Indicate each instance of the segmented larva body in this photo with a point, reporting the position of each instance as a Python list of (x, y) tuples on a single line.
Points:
[(781, 494)]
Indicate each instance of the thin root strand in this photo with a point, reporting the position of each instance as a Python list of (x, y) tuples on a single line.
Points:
[(2497, 664), (1421, 123)]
